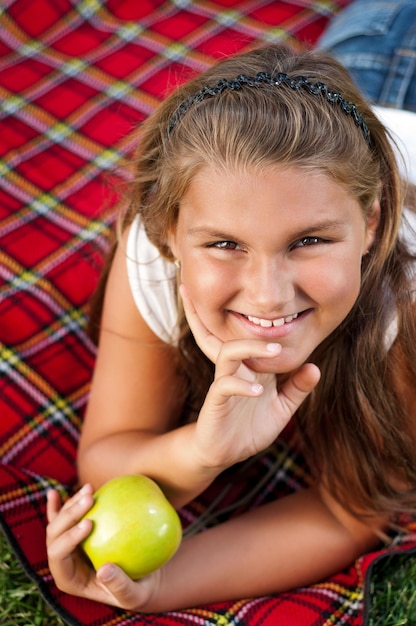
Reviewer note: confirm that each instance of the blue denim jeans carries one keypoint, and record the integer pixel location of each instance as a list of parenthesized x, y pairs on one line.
[(376, 41)]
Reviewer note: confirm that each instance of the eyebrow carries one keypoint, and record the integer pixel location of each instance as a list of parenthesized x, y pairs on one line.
[(209, 231), (323, 226)]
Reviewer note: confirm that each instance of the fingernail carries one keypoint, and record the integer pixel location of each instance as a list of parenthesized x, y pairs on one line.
[(256, 388), (82, 524), (83, 501), (273, 347), (107, 573)]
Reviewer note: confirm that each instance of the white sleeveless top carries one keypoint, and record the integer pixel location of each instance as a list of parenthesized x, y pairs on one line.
[(153, 279), (153, 284)]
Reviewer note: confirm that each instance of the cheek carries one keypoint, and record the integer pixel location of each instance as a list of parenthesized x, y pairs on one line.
[(211, 289), (340, 286), (205, 283), (196, 278)]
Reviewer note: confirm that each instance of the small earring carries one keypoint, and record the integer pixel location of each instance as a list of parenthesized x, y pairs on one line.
[(177, 264)]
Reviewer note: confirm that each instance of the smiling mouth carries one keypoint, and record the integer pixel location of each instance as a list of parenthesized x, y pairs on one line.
[(280, 321)]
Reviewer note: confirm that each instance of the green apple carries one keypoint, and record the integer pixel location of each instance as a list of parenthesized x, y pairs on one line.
[(134, 526)]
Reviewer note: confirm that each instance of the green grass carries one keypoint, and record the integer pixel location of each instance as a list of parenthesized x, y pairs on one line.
[(20, 601), (392, 592)]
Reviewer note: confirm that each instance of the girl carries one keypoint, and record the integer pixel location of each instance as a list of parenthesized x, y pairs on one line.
[(267, 199)]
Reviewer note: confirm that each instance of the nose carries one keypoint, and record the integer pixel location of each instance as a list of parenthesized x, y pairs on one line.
[(270, 285)]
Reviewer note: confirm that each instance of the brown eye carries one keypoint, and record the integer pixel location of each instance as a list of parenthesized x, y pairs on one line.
[(225, 245), (308, 241)]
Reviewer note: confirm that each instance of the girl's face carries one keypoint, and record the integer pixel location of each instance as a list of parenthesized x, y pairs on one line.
[(274, 255)]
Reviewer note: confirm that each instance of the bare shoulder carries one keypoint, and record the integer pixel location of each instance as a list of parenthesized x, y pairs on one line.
[(136, 383)]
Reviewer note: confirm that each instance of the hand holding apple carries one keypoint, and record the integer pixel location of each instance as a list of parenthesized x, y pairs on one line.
[(134, 526)]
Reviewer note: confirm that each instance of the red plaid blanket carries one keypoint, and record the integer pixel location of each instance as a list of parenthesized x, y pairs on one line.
[(75, 77)]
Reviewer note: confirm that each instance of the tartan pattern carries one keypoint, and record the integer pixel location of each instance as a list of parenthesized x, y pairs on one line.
[(75, 78)]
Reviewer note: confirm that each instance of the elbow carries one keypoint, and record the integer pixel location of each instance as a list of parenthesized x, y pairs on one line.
[(91, 466), (365, 532), (83, 470)]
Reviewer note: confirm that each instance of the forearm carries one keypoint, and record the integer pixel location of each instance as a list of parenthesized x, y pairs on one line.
[(168, 458), (293, 542)]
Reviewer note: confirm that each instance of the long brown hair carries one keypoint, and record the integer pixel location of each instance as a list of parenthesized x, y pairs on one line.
[(354, 427)]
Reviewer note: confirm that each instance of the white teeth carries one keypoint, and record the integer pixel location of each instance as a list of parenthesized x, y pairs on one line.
[(268, 323)]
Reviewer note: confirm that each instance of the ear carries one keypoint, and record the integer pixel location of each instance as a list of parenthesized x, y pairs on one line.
[(372, 222)]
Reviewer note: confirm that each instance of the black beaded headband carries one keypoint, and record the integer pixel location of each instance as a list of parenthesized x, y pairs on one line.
[(295, 82)]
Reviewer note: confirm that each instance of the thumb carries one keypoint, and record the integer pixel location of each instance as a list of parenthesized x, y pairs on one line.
[(294, 391), (125, 591)]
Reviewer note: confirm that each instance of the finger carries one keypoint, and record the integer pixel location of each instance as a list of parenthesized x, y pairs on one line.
[(234, 352), (70, 513), (53, 504), (60, 547), (227, 386), (209, 344), (125, 591), (76, 497), (294, 391)]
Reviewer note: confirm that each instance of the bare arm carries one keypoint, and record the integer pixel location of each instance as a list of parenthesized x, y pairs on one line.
[(292, 542), (289, 543), (295, 541), (137, 396), (136, 401)]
